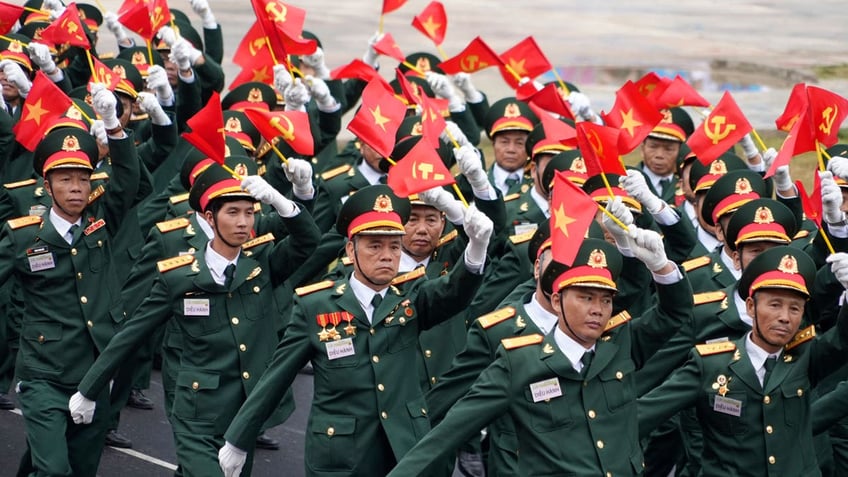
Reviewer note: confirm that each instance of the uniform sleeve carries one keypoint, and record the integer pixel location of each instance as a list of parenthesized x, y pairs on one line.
[(828, 350), (439, 299), (830, 408), (678, 392), (288, 254), (143, 272), (120, 195), (651, 330)]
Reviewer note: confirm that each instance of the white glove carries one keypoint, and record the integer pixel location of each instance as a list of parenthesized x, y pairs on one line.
[(231, 459), (831, 195), (3, 104), (55, 7), (321, 93), (526, 79), (463, 82), (371, 56), (167, 35), (455, 132), (201, 8), (114, 26), (183, 54), (838, 166), (782, 179), (581, 106), (297, 95), (444, 201), (150, 105), (621, 236), (442, 87), (82, 408), (468, 159), (40, 55), (299, 173), (478, 227), (282, 78), (265, 193), (98, 130), (647, 246), (769, 156), (157, 81), (15, 75), (317, 63), (636, 186), (104, 101), (749, 147)]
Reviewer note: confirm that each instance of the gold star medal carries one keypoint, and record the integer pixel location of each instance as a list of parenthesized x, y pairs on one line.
[(350, 329), (323, 320), (335, 319)]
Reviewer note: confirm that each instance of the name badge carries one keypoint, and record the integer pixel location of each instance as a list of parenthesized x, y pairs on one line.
[(38, 210), (43, 261), (196, 307), (546, 389), (522, 228), (726, 405), (339, 349), (718, 340)]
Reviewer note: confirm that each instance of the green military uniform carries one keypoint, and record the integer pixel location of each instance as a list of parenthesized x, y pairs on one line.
[(676, 126)]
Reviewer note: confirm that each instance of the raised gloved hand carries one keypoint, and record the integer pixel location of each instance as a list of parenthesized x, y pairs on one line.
[(371, 56), (167, 35), (40, 55), (297, 95), (769, 156), (831, 195), (647, 246), (82, 408), (453, 131), (442, 87), (463, 82), (321, 93), (55, 8), (782, 178), (317, 63), (749, 147), (581, 106), (201, 8), (183, 54), (282, 78), (838, 166), (478, 227), (444, 201), (231, 459), (110, 19), (157, 81), (150, 105), (621, 236), (265, 193), (15, 75), (104, 104), (299, 173), (468, 159), (98, 131), (635, 185)]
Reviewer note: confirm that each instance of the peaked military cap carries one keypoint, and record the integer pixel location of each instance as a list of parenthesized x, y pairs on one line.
[(139, 56), (676, 126), (90, 15), (597, 265), (373, 210), (215, 183), (509, 114), (65, 148), (538, 144), (761, 220), (569, 163), (597, 190), (540, 241), (252, 94), (702, 177), (730, 192), (131, 78), (422, 61), (239, 126), (782, 267)]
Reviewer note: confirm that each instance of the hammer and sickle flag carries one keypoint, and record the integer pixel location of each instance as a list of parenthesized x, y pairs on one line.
[(421, 169), (293, 126), (44, 104), (599, 145), (795, 107), (283, 26), (67, 29), (473, 58), (144, 17), (725, 126), (827, 112), (572, 212)]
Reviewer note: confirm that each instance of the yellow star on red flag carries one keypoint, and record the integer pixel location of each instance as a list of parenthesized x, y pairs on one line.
[(34, 112)]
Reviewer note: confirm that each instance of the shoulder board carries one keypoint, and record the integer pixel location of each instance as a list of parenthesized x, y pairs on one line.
[(409, 276), (139, 117), (267, 147), (521, 341), (448, 237), (100, 176), (96, 193), (521, 238), (24, 221), (801, 234), (174, 263), (491, 319), (306, 290), (176, 199), (708, 297), (715, 348), (337, 171), (346, 261), (699, 262), (269, 237), (617, 320), (173, 224), (511, 197), (801, 337), (15, 185)]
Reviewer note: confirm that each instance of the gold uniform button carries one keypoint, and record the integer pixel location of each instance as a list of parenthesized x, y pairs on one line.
[(234, 321), (423, 412), (371, 331), (384, 415), (432, 380), (772, 460), (767, 400), (375, 358), (609, 474), (428, 353), (195, 385), (402, 320), (619, 375), (83, 300), (600, 444), (380, 387), (769, 429), (79, 275), (242, 347), (591, 414), (41, 338), (89, 323), (800, 392), (73, 251), (99, 243), (330, 431), (256, 289), (245, 375)]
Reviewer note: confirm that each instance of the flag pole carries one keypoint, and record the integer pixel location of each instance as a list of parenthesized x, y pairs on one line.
[(456, 187), (559, 79), (279, 153), (149, 51), (442, 52), (512, 72), (100, 5), (413, 68), (611, 195), (91, 65), (820, 156), (4, 37)]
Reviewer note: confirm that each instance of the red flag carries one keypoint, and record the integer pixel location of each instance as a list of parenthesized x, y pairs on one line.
[(253, 48), (388, 46), (160, 14), (827, 112), (475, 57), (9, 14), (548, 98), (45, 103), (432, 120), (432, 22), (293, 126), (357, 69), (421, 169), (379, 117), (725, 126), (795, 107), (104, 74), (680, 93), (633, 115), (282, 24), (599, 145), (572, 212), (812, 204), (556, 130), (652, 85), (801, 139), (144, 18), (67, 29), (391, 5), (260, 73), (523, 59), (207, 130)]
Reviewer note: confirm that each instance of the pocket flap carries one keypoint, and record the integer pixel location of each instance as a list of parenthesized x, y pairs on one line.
[(198, 380), (42, 332), (617, 371), (334, 425), (417, 408)]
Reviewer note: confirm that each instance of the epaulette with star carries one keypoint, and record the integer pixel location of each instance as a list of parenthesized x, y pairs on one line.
[(448, 237), (96, 193), (715, 348), (521, 341), (409, 276), (174, 263), (99, 176), (25, 221), (269, 237), (314, 287), (801, 337), (334, 172), (511, 197), (696, 263), (173, 224), (708, 297), (617, 321), (491, 319), (176, 199), (801, 234), (19, 184)]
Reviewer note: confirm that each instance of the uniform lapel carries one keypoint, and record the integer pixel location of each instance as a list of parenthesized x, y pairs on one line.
[(193, 234), (49, 234), (730, 315), (203, 280), (742, 367), (346, 300), (244, 267), (555, 359), (781, 369), (605, 351)]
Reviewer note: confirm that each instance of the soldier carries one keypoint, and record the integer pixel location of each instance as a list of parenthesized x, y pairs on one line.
[(361, 336), (661, 151), (508, 123)]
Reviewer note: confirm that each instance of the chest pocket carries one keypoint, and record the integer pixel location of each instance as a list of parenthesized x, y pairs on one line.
[(256, 297), (548, 415), (197, 323), (795, 394), (727, 424), (402, 329), (617, 381), (96, 248)]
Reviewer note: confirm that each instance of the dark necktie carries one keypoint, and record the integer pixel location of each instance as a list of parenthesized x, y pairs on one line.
[(72, 232), (511, 181), (229, 273), (586, 360), (768, 365), (376, 300), (383, 178), (664, 185)]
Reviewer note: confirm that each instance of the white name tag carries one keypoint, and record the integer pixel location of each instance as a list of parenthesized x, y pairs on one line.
[(196, 307), (38, 210), (522, 228), (546, 389), (339, 349), (43, 261), (726, 405), (718, 340)]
